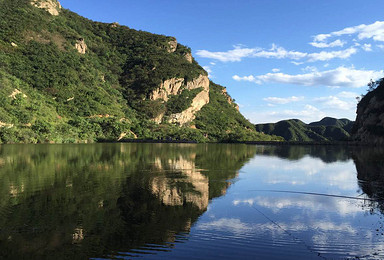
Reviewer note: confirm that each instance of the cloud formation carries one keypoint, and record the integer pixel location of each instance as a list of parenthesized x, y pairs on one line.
[(337, 43), (373, 31), (276, 52), (339, 77), (282, 101), (333, 102)]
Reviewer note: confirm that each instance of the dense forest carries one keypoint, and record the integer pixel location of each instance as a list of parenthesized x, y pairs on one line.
[(64, 78)]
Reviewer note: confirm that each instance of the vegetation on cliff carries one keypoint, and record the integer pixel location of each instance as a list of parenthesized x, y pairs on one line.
[(369, 125), (327, 129), (64, 78)]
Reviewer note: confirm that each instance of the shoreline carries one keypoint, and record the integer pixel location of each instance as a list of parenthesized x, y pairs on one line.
[(274, 143)]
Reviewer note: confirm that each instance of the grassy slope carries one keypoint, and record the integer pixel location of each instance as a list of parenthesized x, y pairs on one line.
[(70, 97)]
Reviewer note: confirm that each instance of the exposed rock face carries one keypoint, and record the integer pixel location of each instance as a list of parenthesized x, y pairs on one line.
[(172, 46), (369, 125), (80, 46), (15, 93), (167, 88), (51, 6), (174, 87), (188, 57), (2, 124)]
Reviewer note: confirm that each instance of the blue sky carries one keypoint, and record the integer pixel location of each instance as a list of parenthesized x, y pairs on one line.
[(279, 59)]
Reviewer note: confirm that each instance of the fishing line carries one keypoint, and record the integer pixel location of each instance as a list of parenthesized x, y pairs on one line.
[(288, 233), (317, 194)]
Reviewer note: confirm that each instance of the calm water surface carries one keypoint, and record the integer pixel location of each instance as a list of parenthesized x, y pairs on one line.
[(188, 201)]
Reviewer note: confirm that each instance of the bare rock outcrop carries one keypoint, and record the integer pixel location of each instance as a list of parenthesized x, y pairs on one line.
[(174, 87), (167, 88), (80, 46), (2, 124), (16, 92), (188, 57), (51, 6), (172, 46)]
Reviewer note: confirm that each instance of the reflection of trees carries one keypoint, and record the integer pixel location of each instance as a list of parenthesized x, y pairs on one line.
[(370, 174), (326, 153), (77, 201)]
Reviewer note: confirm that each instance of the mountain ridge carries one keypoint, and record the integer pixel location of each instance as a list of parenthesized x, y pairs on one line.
[(325, 130)]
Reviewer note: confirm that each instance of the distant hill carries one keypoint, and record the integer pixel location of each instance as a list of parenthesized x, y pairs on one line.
[(327, 129)]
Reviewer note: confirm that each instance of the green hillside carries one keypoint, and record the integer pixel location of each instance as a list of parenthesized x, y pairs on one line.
[(327, 129), (64, 78)]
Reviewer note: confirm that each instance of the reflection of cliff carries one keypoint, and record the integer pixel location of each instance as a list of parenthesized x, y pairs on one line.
[(170, 189), (81, 201), (370, 174)]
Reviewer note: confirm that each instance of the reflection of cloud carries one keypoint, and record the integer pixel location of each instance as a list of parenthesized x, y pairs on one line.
[(306, 170), (313, 203), (232, 225), (236, 226)]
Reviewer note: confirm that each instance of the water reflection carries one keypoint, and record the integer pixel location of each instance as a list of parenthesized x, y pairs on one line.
[(317, 202), (184, 200), (80, 201)]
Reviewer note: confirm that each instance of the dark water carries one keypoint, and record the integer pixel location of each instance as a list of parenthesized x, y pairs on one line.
[(187, 201)]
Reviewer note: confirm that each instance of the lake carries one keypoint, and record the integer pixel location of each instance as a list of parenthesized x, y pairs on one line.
[(191, 201)]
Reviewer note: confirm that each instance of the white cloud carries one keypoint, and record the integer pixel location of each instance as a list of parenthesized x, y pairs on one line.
[(347, 94), (329, 55), (337, 43), (381, 46), (307, 113), (333, 102), (340, 77), (309, 68), (367, 47), (279, 53), (373, 31), (281, 101), (250, 78), (239, 52), (275, 70)]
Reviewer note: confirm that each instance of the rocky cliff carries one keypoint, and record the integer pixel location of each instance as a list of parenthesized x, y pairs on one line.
[(175, 86), (51, 6), (369, 125)]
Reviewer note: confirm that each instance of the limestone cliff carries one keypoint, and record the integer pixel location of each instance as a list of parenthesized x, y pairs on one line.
[(51, 6), (369, 125), (174, 87)]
